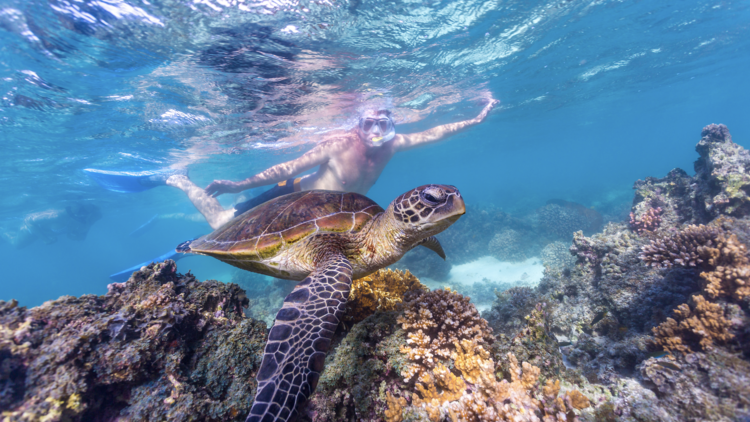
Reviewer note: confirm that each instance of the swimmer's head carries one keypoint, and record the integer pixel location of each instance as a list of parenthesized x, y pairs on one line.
[(376, 127)]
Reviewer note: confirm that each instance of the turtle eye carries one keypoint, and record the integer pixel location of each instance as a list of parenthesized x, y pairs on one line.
[(433, 196)]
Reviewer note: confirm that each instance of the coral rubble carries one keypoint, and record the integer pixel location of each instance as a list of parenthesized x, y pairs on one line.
[(161, 346)]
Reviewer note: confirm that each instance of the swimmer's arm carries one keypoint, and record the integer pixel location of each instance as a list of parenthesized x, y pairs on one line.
[(278, 173), (438, 133)]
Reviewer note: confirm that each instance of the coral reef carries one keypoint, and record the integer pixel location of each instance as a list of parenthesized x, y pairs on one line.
[(702, 386), (674, 195), (673, 278), (508, 245), (365, 364), (161, 346), (444, 396), (648, 222), (722, 173), (688, 248), (560, 219), (435, 322), (557, 254), (380, 291), (709, 247), (702, 324)]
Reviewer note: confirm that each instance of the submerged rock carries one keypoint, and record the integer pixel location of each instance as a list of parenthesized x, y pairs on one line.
[(161, 346), (653, 321)]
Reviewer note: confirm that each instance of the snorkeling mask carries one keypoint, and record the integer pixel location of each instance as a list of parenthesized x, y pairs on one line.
[(385, 126)]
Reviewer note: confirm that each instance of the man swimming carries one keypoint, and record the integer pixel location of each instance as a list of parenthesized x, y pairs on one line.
[(46, 226), (349, 161)]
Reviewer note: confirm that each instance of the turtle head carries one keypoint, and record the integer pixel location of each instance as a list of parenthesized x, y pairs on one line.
[(428, 210)]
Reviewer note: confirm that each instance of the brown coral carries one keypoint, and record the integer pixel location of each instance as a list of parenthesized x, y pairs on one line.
[(380, 291), (161, 346), (704, 325), (687, 248), (435, 321), (647, 222), (490, 399), (445, 331), (721, 254)]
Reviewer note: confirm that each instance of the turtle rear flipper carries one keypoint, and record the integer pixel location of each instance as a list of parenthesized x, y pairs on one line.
[(299, 339)]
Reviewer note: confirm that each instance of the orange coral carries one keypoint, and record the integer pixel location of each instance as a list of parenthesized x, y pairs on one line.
[(435, 322), (445, 331), (380, 291), (731, 277), (394, 408), (704, 324), (468, 358)]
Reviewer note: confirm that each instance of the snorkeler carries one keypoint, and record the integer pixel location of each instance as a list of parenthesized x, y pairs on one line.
[(348, 161), (74, 222)]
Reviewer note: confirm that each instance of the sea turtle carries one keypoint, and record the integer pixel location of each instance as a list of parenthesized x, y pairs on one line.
[(324, 239)]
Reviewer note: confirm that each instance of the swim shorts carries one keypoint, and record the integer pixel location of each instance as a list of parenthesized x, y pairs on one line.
[(283, 188)]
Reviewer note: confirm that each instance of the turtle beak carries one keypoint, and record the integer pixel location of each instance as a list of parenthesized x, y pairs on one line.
[(456, 203)]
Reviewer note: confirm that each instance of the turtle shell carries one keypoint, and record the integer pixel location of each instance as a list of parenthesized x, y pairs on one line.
[(264, 231)]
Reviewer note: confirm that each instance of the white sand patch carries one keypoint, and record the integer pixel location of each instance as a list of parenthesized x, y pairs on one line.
[(488, 269), (529, 272)]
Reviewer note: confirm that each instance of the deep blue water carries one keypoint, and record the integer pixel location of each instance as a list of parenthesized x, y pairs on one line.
[(595, 94)]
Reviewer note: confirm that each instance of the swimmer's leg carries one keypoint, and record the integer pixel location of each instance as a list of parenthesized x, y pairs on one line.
[(132, 181), (19, 239), (215, 214)]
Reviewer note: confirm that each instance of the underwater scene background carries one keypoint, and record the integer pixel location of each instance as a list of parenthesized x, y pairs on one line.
[(571, 251)]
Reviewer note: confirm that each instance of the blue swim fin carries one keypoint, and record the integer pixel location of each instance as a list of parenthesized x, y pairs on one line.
[(124, 275), (131, 181), (145, 226)]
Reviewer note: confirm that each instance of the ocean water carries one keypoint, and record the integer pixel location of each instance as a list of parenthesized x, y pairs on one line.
[(594, 95)]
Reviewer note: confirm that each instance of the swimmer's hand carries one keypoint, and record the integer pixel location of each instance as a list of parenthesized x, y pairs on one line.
[(218, 187), (491, 103)]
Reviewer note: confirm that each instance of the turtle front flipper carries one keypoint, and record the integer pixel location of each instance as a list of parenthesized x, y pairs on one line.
[(433, 244), (299, 339)]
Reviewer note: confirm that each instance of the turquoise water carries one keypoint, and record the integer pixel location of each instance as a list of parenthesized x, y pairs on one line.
[(595, 94)]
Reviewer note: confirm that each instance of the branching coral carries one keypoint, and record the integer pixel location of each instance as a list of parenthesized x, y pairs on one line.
[(702, 325), (688, 247), (435, 321), (708, 247), (647, 222), (380, 291)]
